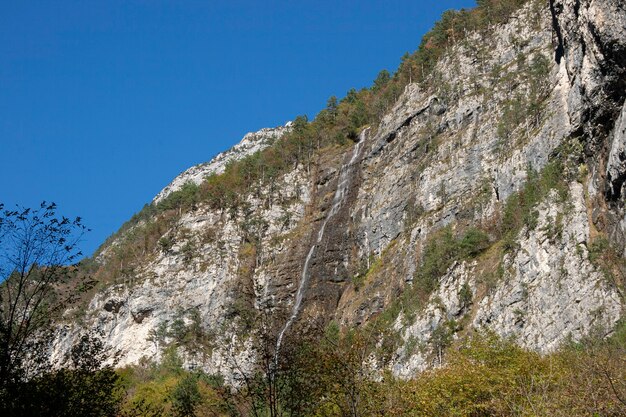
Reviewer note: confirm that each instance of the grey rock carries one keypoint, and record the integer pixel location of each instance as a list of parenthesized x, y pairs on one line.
[(439, 157)]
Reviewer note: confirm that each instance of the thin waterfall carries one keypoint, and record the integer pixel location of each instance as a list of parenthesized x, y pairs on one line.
[(343, 184)]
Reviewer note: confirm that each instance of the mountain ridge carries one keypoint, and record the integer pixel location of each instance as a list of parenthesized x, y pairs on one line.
[(251, 143)]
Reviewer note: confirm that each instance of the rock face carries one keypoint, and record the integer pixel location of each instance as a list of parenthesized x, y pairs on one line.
[(551, 288), (549, 84)]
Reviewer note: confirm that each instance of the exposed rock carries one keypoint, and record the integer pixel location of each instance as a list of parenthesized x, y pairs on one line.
[(442, 155), (550, 289), (141, 314), (251, 143)]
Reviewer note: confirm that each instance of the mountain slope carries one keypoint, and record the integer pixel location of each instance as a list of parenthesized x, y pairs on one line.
[(480, 186), (250, 144)]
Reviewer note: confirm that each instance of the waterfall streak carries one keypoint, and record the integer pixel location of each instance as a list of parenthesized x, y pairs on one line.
[(343, 184)]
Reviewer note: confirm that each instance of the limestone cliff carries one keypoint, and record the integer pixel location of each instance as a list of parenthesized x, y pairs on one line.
[(535, 106)]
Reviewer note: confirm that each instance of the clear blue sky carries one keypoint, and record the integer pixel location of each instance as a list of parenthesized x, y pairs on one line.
[(102, 103)]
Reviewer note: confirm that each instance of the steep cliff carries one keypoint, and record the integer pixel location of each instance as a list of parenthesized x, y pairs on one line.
[(490, 193)]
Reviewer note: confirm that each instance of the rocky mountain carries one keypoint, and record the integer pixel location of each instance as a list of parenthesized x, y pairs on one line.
[(486, 193), (251, 143)]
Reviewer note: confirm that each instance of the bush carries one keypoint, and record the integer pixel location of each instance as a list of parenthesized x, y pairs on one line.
[(490, 376), (473, 242), (465, 295), (520, 208), (186, 396), (441, 250), (186, 198), (166, 389)]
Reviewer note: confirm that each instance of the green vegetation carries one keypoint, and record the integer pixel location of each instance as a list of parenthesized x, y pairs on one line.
[(327, 376), (610, 262), (369, 266), (488, 376), (84, 387), (166, 389), (520, 208), (526, 106), (465, 295), (441, 250), (185, 331), (452, 28)]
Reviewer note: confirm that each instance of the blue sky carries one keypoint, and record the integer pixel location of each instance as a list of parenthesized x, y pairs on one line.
[(102, 103)]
